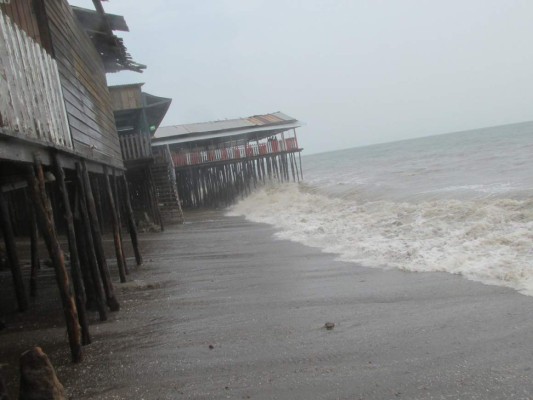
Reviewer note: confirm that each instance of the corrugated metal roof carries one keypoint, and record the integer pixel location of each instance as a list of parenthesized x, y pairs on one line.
[(202, 128)]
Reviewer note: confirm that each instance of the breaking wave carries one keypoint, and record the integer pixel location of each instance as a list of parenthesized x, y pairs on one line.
[(487, 240)]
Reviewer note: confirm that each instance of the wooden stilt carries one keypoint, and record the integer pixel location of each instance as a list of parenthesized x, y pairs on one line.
[(75, 268), (95, 186), (86, 238), (34, 250), (116, 234), (12, 255), (88, 284), (43, 211), (119, 216), (112, 301), (301, 169), (131, 222), (153, 199)]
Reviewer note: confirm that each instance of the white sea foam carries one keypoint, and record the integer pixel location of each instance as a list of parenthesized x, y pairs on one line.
[(488, 240)]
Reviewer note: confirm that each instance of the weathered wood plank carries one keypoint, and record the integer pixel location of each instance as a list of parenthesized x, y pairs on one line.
[(31, 104), (83, 81)]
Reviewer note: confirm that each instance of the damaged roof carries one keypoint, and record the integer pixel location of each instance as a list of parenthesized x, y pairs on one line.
[(100, 26), (257, 126)]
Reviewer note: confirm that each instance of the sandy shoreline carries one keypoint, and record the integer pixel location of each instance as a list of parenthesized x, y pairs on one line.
[(262, 303)]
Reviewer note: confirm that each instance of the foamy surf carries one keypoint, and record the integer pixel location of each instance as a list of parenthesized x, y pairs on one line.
[(487, 240)]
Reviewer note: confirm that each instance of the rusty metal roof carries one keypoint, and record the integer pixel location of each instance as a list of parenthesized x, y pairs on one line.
[(229, 126)]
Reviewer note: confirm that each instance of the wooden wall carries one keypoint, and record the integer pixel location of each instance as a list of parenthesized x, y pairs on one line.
[(31, 99), (84, 84), (126, 97), (81, 73), (23, 14)]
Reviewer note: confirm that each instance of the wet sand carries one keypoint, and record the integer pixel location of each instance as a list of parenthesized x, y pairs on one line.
[(261, 305)]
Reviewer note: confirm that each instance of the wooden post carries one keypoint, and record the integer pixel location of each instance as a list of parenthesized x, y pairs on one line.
[(116, 192), (112, 301), (301, 169), (153, 199), (74, 257), (87, 238), (88, 284), (116, 234), (43, 211), (95, 186), (34, 250), (131, 222), (12, 255)]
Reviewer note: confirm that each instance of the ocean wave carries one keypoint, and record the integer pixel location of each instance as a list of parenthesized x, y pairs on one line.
[(487, 240)]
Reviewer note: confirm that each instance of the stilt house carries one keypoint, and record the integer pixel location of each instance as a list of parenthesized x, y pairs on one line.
[(215, 162), (150, 174), (61, 166)]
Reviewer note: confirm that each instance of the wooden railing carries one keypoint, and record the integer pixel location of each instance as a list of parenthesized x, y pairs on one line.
[(135, 146), (31, 100), (234, 153)]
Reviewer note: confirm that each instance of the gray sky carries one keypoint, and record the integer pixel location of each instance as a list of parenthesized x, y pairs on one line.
[(355, 72)]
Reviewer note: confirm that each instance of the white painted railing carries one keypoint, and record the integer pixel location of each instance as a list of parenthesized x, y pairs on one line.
[(249, 150), (31, 100)]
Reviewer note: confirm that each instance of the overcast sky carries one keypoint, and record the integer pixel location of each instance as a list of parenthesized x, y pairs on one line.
[(356, 72)]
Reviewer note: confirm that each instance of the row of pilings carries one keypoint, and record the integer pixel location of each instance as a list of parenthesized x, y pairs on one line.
[(50, 201), (220, 184)]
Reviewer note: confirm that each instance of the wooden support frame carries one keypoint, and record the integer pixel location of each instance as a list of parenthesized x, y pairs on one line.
[(87, 237), (43, 211), (75, 268), (121, 262), (112, 301), (12, 255), (131, 222), (118, 207), (34, 248)]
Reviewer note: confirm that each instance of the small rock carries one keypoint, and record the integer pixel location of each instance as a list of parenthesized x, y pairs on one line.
[(211, 347), (329, 325)]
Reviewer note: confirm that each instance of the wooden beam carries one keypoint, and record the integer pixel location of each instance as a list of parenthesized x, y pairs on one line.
[(43, 211), (112, 301), (34, 250), (12, 255), (75, 268), (131, 222), (121, 262), (84, 225)]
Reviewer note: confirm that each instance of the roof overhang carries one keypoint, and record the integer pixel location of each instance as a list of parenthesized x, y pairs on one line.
[(238, 135)]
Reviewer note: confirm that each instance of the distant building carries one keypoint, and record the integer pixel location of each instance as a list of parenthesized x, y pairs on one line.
[(218, 161)]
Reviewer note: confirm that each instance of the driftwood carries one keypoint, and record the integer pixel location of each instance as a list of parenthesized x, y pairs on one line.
[(38, 380)]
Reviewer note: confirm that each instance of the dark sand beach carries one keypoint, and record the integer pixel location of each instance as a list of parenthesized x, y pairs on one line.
[(221, 309)]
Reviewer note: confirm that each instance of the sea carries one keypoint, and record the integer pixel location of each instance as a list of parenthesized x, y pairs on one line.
[(460, 203)]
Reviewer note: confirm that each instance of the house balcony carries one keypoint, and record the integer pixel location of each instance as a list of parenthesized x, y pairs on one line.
[(250, 151), (135, 147)]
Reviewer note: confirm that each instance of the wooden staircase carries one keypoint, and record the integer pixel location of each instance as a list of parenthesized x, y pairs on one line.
[(164, 178)]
